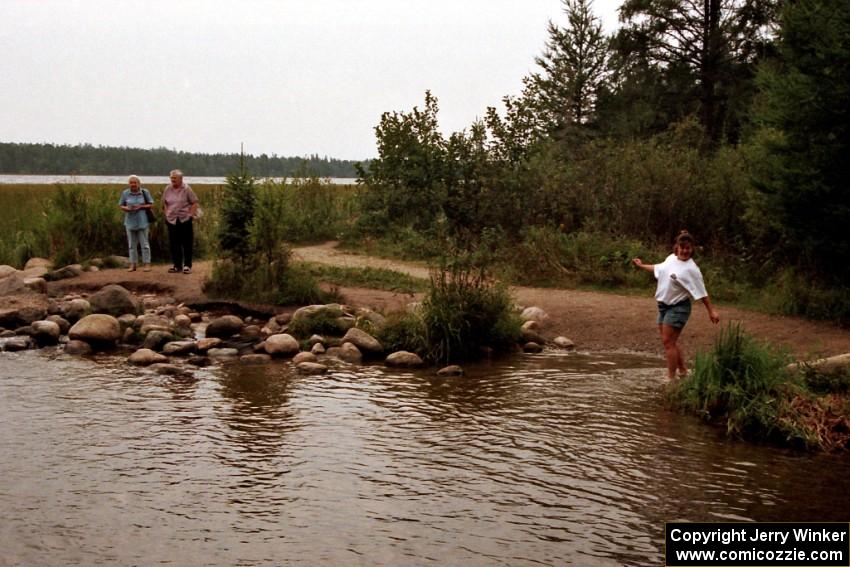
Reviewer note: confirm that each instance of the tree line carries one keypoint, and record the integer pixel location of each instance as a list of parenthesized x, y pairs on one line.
[(725, 117), (86, 159)]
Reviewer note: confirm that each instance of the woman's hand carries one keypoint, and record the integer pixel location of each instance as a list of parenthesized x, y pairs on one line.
[(714, 316)]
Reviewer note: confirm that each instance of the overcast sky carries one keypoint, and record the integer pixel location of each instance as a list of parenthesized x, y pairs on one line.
[(291, 77)]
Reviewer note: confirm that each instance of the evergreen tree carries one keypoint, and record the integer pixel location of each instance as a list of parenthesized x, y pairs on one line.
[(805, 137), (573, 64), (237, 213), (705, 53)]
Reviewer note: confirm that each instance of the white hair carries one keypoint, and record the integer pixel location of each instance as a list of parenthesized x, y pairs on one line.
[(132, 177), (176, 172)]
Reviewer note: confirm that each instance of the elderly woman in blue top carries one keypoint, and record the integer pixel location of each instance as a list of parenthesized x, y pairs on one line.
[(134, 200), (679, 283)]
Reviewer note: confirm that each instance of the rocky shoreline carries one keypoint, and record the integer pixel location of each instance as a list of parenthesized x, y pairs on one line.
[(172, 337)]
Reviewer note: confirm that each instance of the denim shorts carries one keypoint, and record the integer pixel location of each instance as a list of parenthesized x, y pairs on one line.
[(675, 315)]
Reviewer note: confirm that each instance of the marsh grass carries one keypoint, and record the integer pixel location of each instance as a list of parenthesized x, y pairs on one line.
[(747, 386), (74, 223)]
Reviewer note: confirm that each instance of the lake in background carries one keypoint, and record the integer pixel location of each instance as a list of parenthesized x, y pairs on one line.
[(146, 180)]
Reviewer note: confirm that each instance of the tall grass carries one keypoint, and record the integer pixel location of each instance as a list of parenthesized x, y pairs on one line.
[(747, 386), (463, 313)]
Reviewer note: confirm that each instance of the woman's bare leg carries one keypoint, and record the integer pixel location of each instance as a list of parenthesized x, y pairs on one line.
[(669, 336)]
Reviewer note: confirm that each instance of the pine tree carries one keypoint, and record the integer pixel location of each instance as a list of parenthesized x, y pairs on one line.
[(237, 213), (805, 136)]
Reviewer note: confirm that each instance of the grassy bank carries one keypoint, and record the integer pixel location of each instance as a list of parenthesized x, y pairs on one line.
[(73, 223), (748, 387)]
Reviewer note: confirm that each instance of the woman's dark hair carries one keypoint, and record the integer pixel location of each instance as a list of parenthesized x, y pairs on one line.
[(684, 237)]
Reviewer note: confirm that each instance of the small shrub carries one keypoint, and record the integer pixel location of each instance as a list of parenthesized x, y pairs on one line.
[(404, 331)]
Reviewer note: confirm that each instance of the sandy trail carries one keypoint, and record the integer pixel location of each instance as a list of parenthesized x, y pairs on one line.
[(594, 320)]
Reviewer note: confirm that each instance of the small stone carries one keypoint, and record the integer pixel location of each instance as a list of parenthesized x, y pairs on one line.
[(176, 348), (222, 352), (534, 314), (404, 359), (198, 361), (564, 343), (46, 332), (182, 321), (282, 345), (224, 327), (100, 328), (315, 339), (363, 341), (146, 357), (18, 343), (78, 347), (532, 347), (318, 348), (304, 357), (203, 345), (255, 359), (155, 340), (451, 370), (311, 368), (167, 369)]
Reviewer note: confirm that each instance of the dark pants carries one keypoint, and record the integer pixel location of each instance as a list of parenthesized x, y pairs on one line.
[(180, 236)]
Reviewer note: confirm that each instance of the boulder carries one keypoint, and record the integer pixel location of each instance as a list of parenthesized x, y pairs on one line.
[(330, 311), (198, 361), (363, 341), (255, 359), (76, 309), (529, 333), (167, 369), (6, 333), (304, 357), (532, 347), (155, 340), (315, 339), (71, 271), (222, 352), (23, 310), (176, 348), (77, 347), (311, 368), (38, 263), (6, 271), (146, 357), (46, 332), (127, 320), (564, 343), (114, 300), (182, 321), (404, 359), (18, 343), (451, 370), (37, 272), (99, 329), (131, 336), (318, 348), (370, 319), (12, 284), (203, 345), (150, 322), (347, 352), (282, 345), (64, 325), (272, 327), (224, 327), (533, 314), (25, 330)]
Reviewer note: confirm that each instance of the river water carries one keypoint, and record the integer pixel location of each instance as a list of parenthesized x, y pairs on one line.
[(549, 459)]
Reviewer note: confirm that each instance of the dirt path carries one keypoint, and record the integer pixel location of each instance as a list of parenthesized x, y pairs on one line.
[(594, 320)]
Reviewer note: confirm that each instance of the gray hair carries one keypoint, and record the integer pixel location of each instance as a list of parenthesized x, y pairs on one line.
[(132, 177), (176, 172)]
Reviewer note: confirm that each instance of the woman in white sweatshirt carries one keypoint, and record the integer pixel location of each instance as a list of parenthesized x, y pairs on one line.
[(679, 283)]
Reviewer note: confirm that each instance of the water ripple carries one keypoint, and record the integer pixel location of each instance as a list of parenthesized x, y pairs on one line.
[(548, 459)]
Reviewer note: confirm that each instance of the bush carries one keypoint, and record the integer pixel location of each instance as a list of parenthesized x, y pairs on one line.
[(257, 279)]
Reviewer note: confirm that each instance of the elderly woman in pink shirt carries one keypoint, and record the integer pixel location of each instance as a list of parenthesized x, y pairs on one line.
[(181, 206)]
